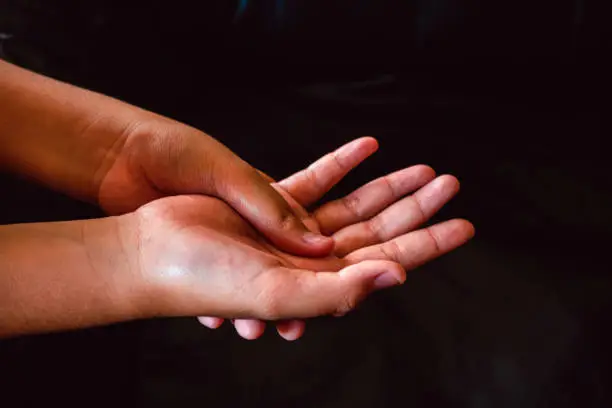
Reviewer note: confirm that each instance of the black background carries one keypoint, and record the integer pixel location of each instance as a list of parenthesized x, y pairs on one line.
[(513, 97)]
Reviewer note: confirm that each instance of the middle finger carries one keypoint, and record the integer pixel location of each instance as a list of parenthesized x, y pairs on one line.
[(370, 199), (400, 218)]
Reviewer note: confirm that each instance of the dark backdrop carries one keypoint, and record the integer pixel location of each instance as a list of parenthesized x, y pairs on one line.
[(511, 96)]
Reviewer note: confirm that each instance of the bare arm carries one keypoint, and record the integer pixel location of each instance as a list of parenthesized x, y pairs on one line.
[(98, 149), (64, 275), (43, 135)]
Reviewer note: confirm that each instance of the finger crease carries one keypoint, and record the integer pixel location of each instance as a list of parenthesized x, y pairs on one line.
[(419, 207), (314, 180), (389, 184), (433, 238), (376, 228), (351, 203), (337, 160), (392, 251), (286, 222)]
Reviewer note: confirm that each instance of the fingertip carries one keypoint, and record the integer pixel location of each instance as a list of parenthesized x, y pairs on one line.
[(370, 270), (291, 330), (302, 243), (424, 170), (467, 226), (353, 153), (462, 225), (292, 236), (318, 241), (452, 234), (398, 271), (249, 329), (394, 275), (449, 180), (370, 141), (210, 322), (305, 243)]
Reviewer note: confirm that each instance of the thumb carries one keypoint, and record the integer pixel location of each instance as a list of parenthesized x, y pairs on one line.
[(251, 195), (315, 294)]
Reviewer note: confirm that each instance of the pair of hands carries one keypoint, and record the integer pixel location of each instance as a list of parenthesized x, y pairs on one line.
[(208, 233), (243, 256)]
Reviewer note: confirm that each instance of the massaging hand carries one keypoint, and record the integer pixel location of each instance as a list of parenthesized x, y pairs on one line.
[(376, 222), (119, 156), (162, 158)]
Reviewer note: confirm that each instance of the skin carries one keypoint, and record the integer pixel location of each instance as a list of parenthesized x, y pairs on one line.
[(102, 150), (105, 151), (196, 256), (385, 211)]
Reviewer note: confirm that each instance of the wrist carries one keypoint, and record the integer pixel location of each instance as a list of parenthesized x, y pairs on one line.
[(145, 291), (114, 247), (68, 275), (57, 134)]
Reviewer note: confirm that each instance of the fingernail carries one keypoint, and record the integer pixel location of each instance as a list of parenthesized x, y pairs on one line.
[(386, 280), (209, 322), (312, 238)]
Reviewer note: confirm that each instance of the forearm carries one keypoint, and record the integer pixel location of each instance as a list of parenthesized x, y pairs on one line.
[(65, 275), (58, 134)]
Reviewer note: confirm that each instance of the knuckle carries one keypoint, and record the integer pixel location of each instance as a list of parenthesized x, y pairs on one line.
[(376, 228), (338, 162), (419, 208), (286, 221), (313, 178), (352, 203), (392, 251), (310, 174), (390, 186), (434, 241)]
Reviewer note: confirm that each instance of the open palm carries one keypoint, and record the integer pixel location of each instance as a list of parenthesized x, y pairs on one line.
[(375, 222)]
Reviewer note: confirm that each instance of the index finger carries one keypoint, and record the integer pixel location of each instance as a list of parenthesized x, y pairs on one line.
[(309, 185)]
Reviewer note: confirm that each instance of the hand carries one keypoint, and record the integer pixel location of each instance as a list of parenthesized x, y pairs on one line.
[(97, 148), (252, 278), (157, 157), (354, 226)]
